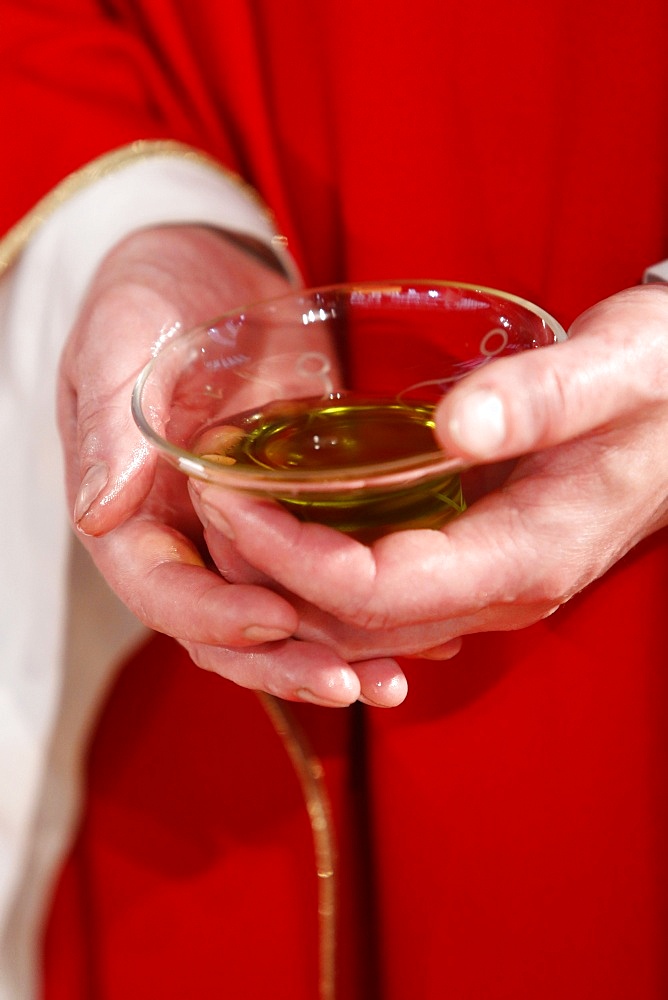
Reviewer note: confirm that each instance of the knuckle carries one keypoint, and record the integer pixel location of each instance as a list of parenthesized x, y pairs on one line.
[(560, 580), (549, 398), (371, 616)]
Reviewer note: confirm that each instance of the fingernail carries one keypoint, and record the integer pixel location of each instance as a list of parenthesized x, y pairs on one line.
[(367, 697), (92, 484), (385, 693), (264, 633), (479, 425)]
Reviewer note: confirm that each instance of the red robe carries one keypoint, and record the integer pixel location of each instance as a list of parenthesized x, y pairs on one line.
[(503, 834)]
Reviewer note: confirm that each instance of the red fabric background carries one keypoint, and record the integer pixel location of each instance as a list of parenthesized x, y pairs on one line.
[(517, 800)]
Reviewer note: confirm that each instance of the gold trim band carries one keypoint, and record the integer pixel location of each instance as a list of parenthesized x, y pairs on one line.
[(310, 773)]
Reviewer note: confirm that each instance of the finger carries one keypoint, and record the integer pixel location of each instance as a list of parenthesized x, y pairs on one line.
[(383, 683), (293, 670), (161, 577), (446, 651), (356, 644), (609, 367), (224, 554), (110, 466), (489, 558)]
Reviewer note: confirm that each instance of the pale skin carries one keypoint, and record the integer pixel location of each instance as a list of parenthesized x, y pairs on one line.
[(306, 613)]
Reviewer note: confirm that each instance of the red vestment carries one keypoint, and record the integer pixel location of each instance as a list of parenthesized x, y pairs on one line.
[(503, 834)]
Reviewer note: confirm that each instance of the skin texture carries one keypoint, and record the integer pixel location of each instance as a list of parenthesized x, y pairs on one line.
[(572, 441), (134, 514)]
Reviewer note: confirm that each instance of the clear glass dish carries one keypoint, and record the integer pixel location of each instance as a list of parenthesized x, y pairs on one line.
[(323, 398)]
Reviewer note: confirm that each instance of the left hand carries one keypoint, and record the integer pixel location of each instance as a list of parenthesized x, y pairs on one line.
[(133, 512), (586, 421)]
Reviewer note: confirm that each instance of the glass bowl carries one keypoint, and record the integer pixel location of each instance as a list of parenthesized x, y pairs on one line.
[(323, 399)]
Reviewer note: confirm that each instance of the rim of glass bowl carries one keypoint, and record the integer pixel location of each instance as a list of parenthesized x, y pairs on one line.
[(258, 479)]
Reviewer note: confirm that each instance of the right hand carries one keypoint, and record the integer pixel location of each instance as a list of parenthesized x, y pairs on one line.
[(578, 431), (133, 512)]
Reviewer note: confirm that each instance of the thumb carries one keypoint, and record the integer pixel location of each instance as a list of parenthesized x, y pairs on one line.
[(613, 363), (110, 468), (112, 485)]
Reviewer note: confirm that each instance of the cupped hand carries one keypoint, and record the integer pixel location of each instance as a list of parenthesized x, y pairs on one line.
[(586, 421), (133, 512)]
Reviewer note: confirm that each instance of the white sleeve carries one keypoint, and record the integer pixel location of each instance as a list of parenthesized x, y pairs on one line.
[(61, 630), (656, 274)]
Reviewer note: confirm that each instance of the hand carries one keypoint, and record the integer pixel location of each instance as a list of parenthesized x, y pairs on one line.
[(352, 642), (588, 419), (133, 512)]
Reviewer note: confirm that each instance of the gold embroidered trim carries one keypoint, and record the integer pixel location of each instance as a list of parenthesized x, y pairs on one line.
[(19, 235), (310, 774)]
